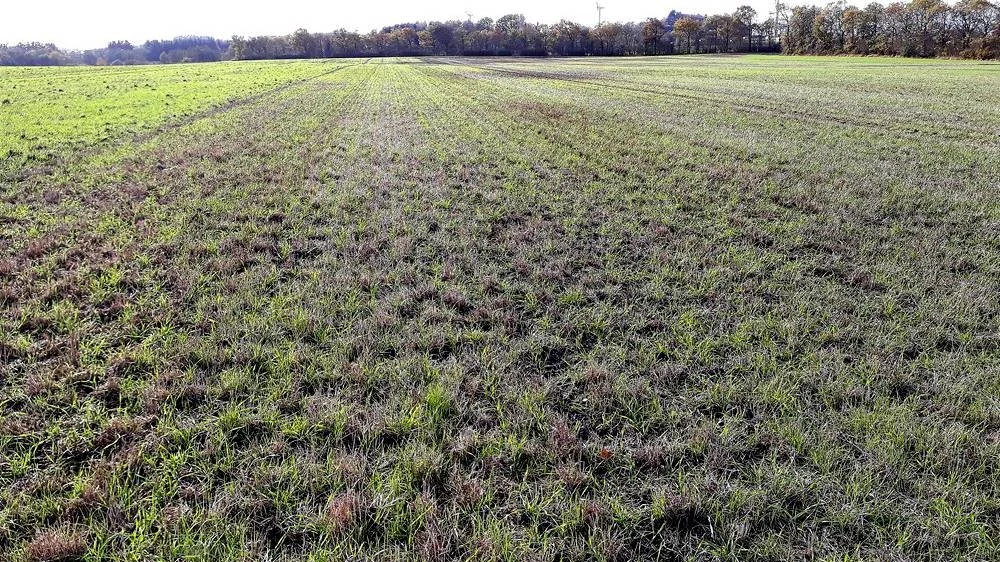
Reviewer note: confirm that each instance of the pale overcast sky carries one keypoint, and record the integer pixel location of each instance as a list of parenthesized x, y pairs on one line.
[(92, 23)]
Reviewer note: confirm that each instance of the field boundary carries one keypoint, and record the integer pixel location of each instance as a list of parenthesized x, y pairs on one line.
[(25, 174)]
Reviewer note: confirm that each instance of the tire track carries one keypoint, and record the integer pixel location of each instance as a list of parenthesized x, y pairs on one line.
[(895, 128)]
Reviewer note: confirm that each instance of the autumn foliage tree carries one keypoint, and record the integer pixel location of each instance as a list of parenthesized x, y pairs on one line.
[(686, 29), (653, 36)]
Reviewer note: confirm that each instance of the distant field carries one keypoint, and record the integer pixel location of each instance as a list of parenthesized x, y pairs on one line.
[(688, 308)]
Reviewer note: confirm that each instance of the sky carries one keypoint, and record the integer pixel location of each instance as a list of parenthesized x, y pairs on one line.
[(76, 24)]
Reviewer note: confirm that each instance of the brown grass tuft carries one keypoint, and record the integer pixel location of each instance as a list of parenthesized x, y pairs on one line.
[(57, 545), (342, 510)]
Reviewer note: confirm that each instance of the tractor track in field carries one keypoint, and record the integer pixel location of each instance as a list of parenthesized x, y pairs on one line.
[(240, 102), (893, 127)]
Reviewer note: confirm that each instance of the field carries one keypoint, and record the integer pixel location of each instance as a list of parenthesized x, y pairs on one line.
[(688, 308)]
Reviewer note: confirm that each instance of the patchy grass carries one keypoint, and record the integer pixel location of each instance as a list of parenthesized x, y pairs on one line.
[(45, 112), (688, 308)]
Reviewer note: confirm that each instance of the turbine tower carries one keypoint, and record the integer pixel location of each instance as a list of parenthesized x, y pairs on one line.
[(778, 8), (600, 9)]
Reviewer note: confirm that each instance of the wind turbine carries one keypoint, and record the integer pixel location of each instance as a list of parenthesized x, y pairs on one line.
[(600, 9)]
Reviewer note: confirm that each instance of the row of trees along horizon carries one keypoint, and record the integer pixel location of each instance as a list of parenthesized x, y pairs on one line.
[(919, 28)]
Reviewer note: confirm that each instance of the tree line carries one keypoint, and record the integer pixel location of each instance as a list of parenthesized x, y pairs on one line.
[(918, 28), (512, 35), (179, 49)]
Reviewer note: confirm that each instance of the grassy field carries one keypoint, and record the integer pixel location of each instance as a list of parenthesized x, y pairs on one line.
[(45, 112), (690, 308)]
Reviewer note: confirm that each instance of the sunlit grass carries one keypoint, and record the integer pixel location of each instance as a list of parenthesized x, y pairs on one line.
[(683, 308)]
